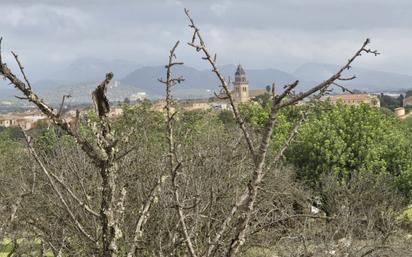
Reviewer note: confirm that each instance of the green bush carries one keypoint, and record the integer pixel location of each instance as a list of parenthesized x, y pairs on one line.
[(349, 139)]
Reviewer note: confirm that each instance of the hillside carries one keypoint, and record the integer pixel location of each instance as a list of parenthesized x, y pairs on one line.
[(81, 77)]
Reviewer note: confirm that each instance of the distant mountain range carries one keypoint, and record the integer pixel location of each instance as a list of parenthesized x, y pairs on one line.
[(200, 82), (86, 70), (82, 76), (366, 80)]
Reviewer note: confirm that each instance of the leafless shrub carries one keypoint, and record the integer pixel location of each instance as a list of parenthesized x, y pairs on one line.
[(115, 192)]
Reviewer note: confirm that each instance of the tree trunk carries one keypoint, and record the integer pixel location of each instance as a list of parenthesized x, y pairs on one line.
[(110, 230)]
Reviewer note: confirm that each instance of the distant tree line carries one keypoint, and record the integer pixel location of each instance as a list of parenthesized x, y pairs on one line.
[(391, 102)]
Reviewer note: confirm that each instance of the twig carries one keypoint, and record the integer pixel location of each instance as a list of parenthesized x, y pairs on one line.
[(55, 189), (212, 61), (173, 167), (16, 57), (93, 152), (344, 89), (1, 59), (247, 199), (144, 215), (62, 104), (332, 79)]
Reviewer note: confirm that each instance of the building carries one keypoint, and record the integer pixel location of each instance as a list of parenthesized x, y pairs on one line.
[(407, 101), (24, 120), (401, 113), (220, 106), (139, 96), (241, 86), (257, 92), (241, 92), (187, 105), (195, 104), (353, 99)]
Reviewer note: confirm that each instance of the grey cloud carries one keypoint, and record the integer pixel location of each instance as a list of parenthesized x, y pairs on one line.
[(279, 34)]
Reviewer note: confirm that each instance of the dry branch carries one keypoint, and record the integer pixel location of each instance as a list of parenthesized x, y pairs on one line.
[(173, 166), (94, 153), (246, 201), (102, 153), (56, 189), (201, 46)]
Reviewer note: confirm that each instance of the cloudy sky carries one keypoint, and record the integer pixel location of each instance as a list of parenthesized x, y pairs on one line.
[(49, 34)]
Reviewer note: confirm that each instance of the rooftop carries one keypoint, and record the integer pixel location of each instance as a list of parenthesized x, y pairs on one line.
[(348, 97), (240, 70)]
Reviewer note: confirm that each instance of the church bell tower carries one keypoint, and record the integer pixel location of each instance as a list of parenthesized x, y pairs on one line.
[(241, 85)]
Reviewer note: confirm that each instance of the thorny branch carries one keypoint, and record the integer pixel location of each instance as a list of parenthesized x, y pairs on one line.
[(246, 201), (95, 154), (337, 76), (55, 189), (144, 215), (16, 57), (173, 166), (258, 172), (62, 104), (102, 153), (201, 46)]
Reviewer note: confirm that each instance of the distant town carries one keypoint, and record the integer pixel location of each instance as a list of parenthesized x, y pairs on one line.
[(28, 117)]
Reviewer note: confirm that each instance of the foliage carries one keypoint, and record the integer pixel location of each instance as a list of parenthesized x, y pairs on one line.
[(14, 133), (408, 122), (227, 118), (256, 114), (387, 111), (349, 139), (137, 116), (209, 145), (390, 102), (10, 150), (264, 99)]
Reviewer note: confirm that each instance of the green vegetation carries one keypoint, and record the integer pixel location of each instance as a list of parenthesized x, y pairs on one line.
[(340, 140), (408, 212), (345, 140), (390, 102), (23, 247), (408, 122), (356, 155)]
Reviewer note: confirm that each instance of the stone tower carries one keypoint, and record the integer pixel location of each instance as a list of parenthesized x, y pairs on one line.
[(241, 85)]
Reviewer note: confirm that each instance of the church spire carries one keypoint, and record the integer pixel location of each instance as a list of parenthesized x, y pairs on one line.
[(241, 85), (240, 71)]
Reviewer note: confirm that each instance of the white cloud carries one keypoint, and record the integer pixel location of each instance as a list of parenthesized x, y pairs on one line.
[(174, 2), (219, 9), (279, 34)]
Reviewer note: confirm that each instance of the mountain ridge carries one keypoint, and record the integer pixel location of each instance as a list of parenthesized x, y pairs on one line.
[(82, 76)]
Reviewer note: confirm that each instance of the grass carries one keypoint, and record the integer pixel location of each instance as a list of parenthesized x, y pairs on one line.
[(6, 246)]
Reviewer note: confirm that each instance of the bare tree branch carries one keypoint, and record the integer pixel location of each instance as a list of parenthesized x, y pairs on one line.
[(62, 104), (100, 101), (16, 57), (202, 47), (246, 200), (56, 190), (325, 84), (173, 168), (144, 215), (95, 154)]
